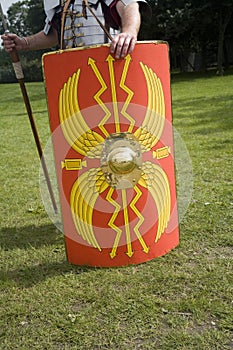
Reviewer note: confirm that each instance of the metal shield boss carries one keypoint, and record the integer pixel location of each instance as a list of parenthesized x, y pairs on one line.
[(111, 126)]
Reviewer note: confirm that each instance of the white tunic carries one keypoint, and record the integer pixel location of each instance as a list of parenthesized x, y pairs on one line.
[(80, 31)]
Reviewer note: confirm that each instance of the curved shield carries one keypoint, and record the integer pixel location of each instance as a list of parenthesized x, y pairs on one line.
[(111, 128)]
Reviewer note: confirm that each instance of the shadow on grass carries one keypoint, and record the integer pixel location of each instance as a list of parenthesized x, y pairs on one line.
[(28, 236), (32, 239), (26, 277), (22, 114)]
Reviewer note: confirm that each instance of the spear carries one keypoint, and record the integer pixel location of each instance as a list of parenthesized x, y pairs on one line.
[(20, 77)]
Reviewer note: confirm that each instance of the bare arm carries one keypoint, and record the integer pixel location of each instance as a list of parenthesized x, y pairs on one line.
[(33, 42), (124, 43), (121, 45)]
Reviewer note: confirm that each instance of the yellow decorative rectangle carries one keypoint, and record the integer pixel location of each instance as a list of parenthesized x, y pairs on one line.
[(72, 164), (161, 152)]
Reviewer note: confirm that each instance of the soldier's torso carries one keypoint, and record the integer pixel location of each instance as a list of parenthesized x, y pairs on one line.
[(81, 27)]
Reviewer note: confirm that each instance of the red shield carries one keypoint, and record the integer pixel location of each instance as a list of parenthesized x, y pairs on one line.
[(111, 128)]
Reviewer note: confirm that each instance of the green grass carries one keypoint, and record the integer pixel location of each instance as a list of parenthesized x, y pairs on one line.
[(182, 300)]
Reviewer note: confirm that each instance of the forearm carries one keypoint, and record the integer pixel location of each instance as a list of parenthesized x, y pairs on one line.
[(41, 41), (130, 18), (124, 42)]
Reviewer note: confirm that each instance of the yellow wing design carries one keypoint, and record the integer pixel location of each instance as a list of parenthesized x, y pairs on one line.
[(152, 127), (155, 179), (76, 131), (84, 194)]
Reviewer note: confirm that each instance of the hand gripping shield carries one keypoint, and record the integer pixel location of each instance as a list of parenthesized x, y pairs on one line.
[(111, 128)]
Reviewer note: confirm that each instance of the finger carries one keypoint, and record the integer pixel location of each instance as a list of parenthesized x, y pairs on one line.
[(113, 46), (131, 46), (8, 36), (120, 45), (8, 45), (128, 46)]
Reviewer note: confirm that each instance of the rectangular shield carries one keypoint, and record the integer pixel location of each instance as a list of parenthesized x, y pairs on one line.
[(111, 127)]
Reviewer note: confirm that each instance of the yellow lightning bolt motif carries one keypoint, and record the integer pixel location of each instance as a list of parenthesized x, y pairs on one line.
[(111, 222), (103, 88), (127, 229), (110, 61), (128, 91), (140, 221)]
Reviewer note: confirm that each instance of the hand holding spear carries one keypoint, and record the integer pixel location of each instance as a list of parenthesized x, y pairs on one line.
[(20, 77)]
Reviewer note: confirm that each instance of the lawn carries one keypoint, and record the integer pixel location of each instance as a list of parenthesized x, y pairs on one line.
[(182, 300)]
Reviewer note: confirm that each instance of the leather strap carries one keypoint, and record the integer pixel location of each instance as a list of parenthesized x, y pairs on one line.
[(63, 18), (97, 19)]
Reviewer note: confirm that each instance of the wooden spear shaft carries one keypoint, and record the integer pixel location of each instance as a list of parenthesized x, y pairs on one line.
[(20, 77)]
